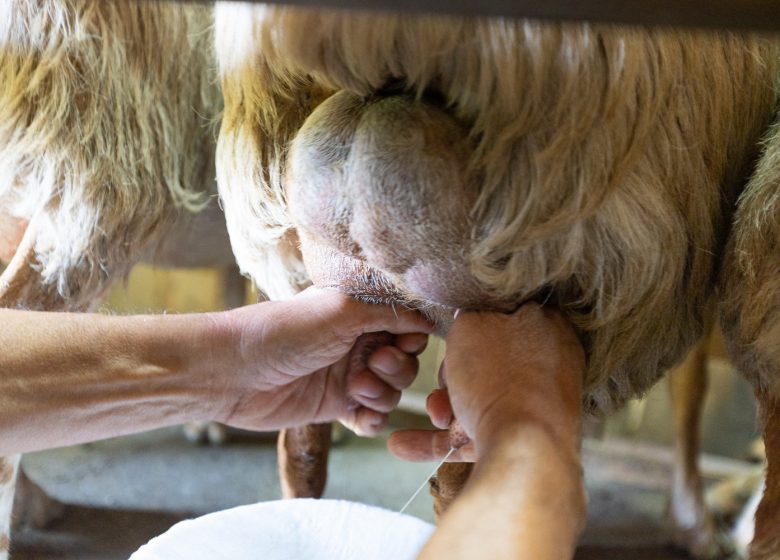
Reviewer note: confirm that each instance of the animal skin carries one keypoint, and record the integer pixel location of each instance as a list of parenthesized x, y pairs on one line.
[(446, 163), (106, 148)]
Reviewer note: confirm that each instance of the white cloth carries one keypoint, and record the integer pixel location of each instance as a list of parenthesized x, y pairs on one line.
[(293, 530)]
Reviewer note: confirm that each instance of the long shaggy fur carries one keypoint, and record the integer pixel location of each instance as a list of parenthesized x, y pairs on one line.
[(751, 290), (603, 161), (99, 102)]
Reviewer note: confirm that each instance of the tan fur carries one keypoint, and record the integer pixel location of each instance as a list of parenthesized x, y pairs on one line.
[(90, 113), (751, 291), (766, 540), (751, 320), (602, 161)]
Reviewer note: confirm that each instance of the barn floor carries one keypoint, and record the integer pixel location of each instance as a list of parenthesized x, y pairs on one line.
[(120, 493)]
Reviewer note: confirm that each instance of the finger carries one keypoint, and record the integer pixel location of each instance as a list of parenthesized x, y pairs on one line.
[(386, 402), (368, 390), (427, 445), (365, 422), (394, 367), (367, 385), (439, 408), (396, 319), (413, 344)]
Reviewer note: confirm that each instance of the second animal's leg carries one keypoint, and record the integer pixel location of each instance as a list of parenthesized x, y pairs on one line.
[(695, 529), (766, 542), (9, 466), (447, 484), (303, 460)]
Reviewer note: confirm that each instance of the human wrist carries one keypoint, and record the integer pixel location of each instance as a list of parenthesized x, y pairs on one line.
[(503, 426), (526, 462), (542, 455), (213, 359)]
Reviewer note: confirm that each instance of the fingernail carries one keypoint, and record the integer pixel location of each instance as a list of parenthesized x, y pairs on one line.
[(388, 361)]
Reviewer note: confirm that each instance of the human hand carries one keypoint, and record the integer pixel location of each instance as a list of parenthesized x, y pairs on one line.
[(319, 357), (501, 371)]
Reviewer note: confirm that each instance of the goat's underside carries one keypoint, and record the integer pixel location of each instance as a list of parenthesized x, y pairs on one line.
[(416, 160), (442, 163)]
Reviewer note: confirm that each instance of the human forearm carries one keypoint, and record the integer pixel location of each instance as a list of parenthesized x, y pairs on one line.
[(66, 379), (514, 383), (70, 378), (525, 500)]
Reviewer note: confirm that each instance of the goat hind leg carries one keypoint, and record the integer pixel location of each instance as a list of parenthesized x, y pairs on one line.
[(303, 460), (694, 526), (766, 542)]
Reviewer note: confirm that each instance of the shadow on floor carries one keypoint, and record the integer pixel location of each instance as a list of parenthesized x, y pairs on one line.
[(622, 553), (86, 533)]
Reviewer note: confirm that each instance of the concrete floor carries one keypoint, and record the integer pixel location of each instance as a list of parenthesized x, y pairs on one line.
[(120, 493)]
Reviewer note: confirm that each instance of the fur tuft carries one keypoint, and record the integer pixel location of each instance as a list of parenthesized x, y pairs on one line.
[(95, 112)]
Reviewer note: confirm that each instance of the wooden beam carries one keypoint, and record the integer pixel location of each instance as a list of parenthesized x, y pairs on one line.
[(734, 14)]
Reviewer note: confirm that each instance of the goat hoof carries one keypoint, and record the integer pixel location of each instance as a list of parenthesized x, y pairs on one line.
[(705, 542), (211, 433)]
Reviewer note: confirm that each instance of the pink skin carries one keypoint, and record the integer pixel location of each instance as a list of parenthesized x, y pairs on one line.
[(11, 233), (432, 290)]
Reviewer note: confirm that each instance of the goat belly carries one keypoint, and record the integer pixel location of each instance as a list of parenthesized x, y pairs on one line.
[(477, 163)]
